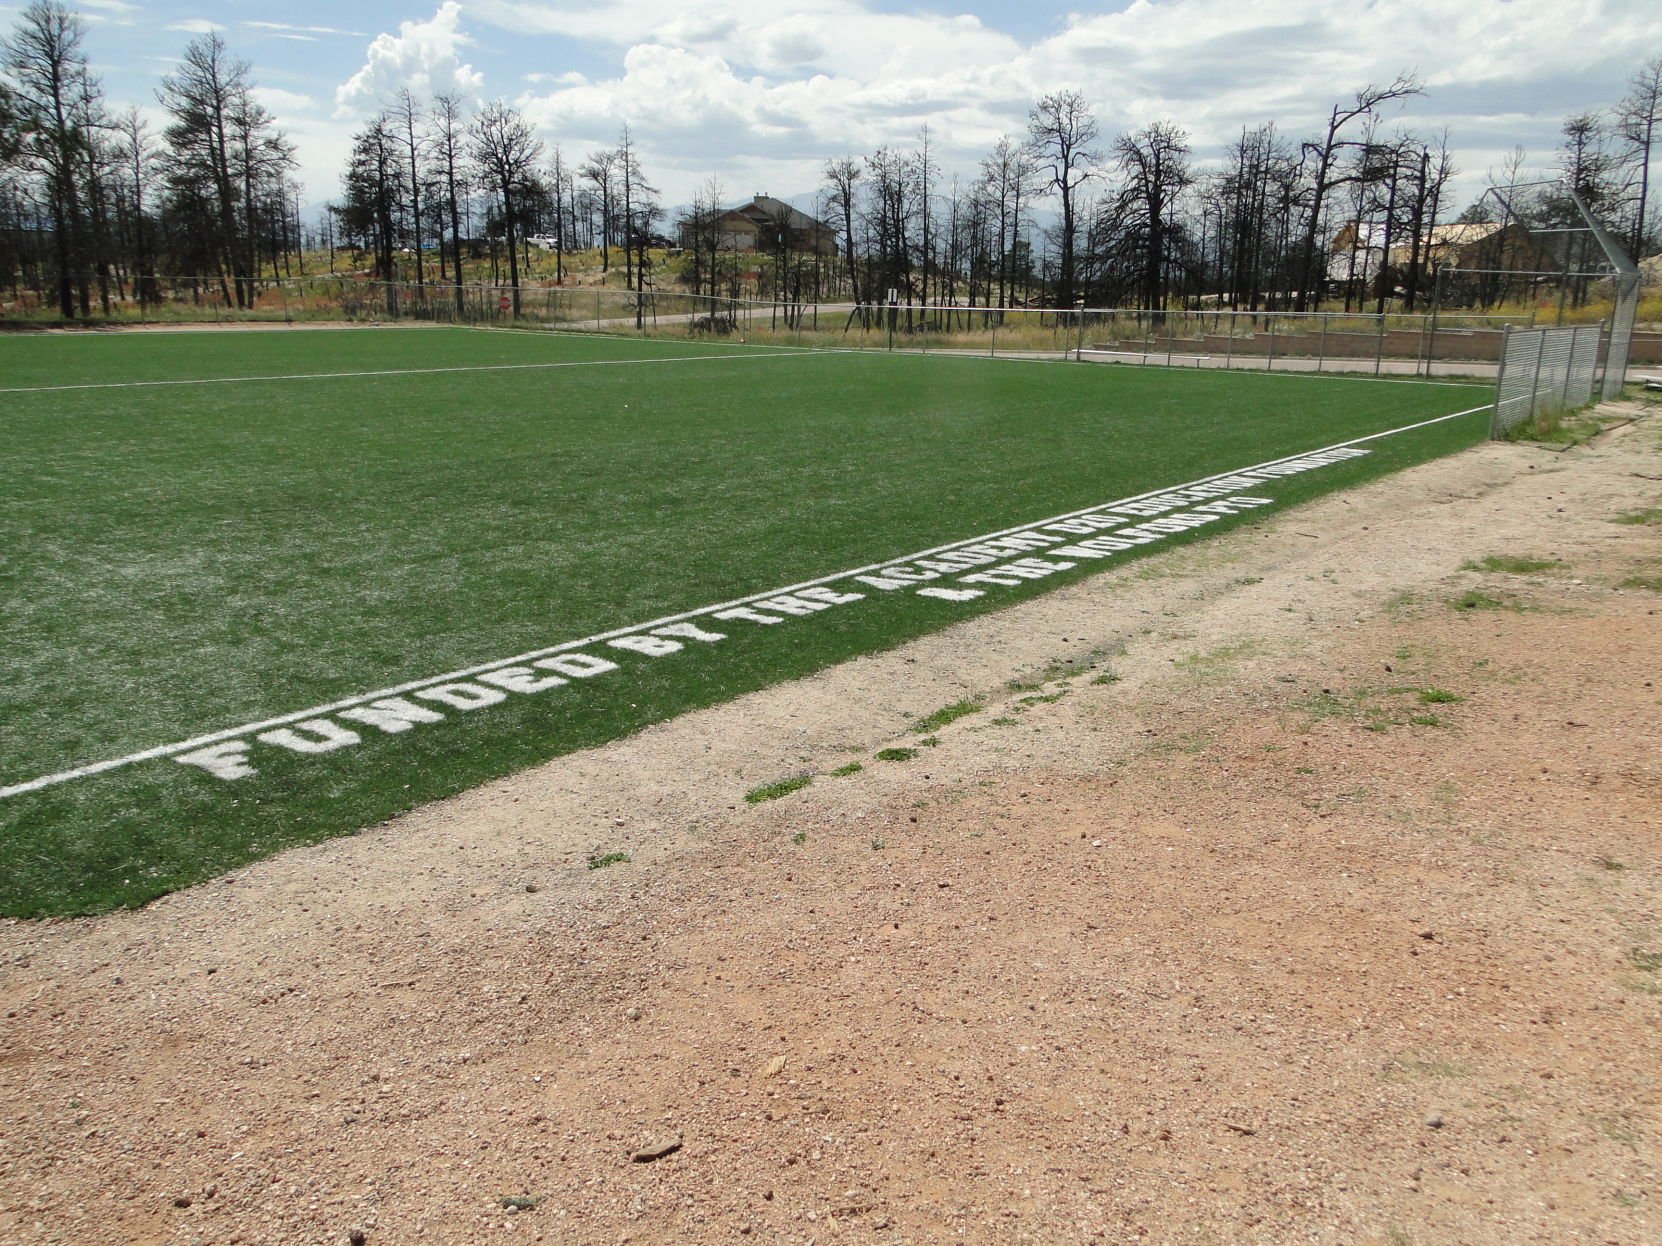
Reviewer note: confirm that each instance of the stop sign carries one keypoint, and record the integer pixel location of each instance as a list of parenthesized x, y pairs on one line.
[(503, 303)]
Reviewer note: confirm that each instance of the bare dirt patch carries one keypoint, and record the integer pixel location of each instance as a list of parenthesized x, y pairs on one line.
[(1298, 884)]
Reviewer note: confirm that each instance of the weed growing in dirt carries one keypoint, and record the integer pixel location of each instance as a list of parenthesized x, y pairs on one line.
[(1476, 599), (1608, 863), (1644, 961), (1003, 720), (931, 723), (877, 845), (1373, 709), (1217, 663), (520, 1202), (600, 861), (930, 741), (1559, 428), (1439, 696), (800, 838), (1038, 699), (1650, 583), (773, 791), (1649, 515), (842, 772), (1411, 1069), (1066, 668), (1106, 678), (1507, 565), (895, 754)]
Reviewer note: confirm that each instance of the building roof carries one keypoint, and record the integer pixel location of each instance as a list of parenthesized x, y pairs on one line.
[(764, 209)]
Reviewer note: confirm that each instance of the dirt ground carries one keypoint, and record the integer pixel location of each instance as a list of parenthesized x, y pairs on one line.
[(1274, 895)]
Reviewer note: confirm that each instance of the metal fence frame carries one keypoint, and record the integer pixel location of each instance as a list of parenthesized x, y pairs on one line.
[(1543, 372)]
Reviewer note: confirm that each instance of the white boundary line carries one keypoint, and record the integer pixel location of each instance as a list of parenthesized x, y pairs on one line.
[(317, 711), (467, 367)]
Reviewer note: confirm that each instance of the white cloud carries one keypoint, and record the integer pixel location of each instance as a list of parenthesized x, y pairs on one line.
[(195, 26), (281, 28), (423, 56), (114, 12), (282, 104), (758, 92)]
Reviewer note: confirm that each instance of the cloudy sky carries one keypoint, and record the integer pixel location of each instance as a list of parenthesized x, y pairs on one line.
[(761, 92)]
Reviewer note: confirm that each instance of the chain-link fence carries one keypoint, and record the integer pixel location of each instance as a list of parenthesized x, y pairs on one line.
[(1543, 373), (1436, 343)]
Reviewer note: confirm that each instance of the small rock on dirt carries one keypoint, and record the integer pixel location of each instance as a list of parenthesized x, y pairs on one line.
[(655, 1149)]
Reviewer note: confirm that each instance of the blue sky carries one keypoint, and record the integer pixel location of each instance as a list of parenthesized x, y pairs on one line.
[(759, 95)]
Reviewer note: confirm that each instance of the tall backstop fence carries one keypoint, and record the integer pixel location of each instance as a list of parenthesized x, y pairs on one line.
[(1544, 372)]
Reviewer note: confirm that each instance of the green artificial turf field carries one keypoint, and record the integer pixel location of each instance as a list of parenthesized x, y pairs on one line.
[(204, 534)]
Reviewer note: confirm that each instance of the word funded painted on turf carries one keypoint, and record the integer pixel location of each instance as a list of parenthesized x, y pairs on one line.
[(961, 572)]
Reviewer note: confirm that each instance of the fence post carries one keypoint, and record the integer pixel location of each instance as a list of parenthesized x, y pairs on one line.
[(1379, 346), (1500, 381), (1229, 350), (1569, 367), (1321, 347), (1535, 379), (1171, 336), (1269, 363), (1601, 360)]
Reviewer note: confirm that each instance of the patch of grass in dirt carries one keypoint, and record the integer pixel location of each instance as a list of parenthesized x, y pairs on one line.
[(931, 723), (1353, 707), (895, 754), (1106, 678), (1003, 720), (1506, 564), (800, 838), (1424, 1068), (842, 772), (1402, 604), (600, 860), (773, 791), (521, 1202), (1649, 515), (1650, 583), (1217, 663), (1439, 696), (1560, 428), (1065, 667), (1617, 1130), (1040, 699), (1608, 863), (1477, 599), (1643, 960), (930, 741), (1374, 709)]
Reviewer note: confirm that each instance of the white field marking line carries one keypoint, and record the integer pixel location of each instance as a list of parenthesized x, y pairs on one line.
[(317, 711), (331, 376)]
